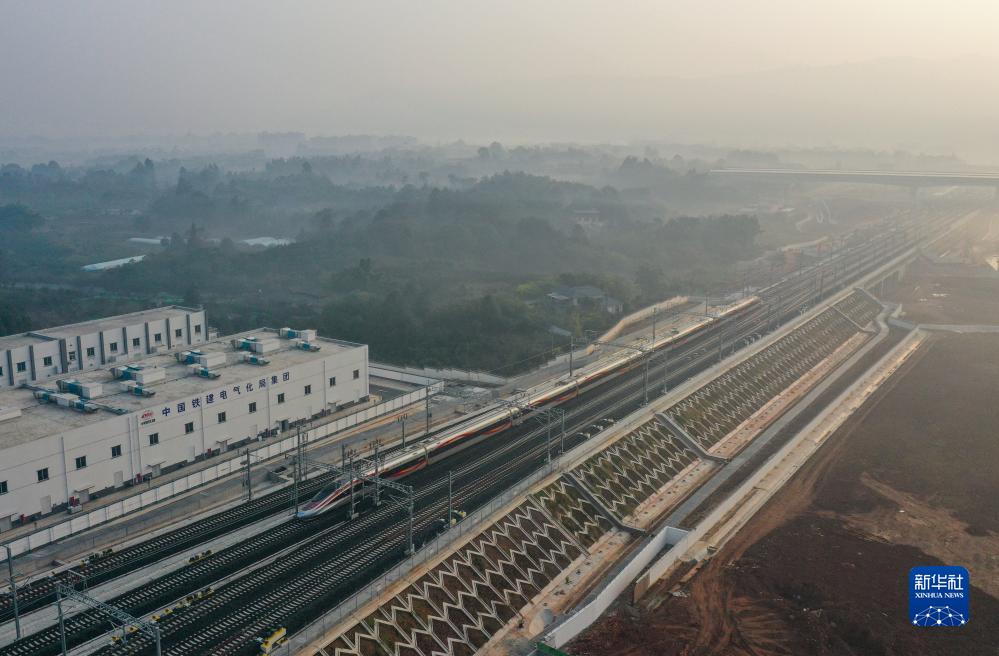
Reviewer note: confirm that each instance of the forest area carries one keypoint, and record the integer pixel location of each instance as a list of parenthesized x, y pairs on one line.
[(429, 258)]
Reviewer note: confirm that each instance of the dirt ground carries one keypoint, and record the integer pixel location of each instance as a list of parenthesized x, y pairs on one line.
[(958, 285), (947, 293), (910, 480)]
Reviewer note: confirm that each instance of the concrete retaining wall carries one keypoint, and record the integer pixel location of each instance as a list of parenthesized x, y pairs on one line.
[(664, 564)]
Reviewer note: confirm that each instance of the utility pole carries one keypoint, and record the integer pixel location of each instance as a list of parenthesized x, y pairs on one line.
[(402, 420), (409, 526), (572, 347), (298, 464), (13, 590), (350, 475), (645, 377), (561, 437), (721, 342), (548, 444), (427, 397), (62, 622), (450, 507), (378, 496), (655, 311), (249, 479)]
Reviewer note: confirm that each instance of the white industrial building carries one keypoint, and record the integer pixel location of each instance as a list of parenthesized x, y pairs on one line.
[(45, 354), (79, 429)]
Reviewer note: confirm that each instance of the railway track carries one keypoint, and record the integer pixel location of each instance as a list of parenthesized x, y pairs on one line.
[(345, 546), (268, 598), (118, 563), (174, 587)]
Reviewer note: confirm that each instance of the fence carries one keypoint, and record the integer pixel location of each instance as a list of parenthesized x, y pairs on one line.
[(181, 485), (429, 373), (401, 374), (471, 524)]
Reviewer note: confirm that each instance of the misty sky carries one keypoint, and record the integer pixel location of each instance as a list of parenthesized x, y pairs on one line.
[(436, 69)]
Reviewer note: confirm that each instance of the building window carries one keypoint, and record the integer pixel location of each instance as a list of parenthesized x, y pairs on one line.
[(43, 474), (90, 351), (158, 337), (197, 329), (81, 462), (1, 371), (308, 390), (114, 347), (221, 417), (3, 487), (136, 342), (47, 361), (21, 367), (179, 332), (357, 374), (253, 407), (154, 439), (116, 451), (281, 397), (72, 356), (189, 427), (333, 381)]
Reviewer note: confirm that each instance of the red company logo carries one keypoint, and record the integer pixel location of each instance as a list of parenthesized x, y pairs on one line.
[(147, 417)]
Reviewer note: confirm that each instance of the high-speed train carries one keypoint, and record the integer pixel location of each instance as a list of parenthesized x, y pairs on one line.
[(418, 455)]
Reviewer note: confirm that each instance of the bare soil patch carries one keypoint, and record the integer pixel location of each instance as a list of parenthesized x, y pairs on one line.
[(910, 480)]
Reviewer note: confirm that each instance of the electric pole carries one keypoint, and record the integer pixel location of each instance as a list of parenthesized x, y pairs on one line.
[(548, 443), (298, 464), (450, 507), (353, 512), (427, 429), (645, 377), (249, 480), (13, 590), (402, 420)]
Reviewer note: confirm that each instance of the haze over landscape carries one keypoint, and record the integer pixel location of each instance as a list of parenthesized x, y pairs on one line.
[(499, 328), (891, 75)]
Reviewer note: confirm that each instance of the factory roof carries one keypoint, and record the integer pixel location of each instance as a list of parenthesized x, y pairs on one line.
[(39, 419), (109, 323), (93, 326)]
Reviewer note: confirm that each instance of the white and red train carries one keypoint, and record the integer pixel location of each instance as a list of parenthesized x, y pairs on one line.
[(420, 454)]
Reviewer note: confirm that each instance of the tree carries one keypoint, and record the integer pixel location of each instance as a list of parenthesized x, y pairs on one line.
[(192, 296), (194, 238), (650, 280), (21, 218)]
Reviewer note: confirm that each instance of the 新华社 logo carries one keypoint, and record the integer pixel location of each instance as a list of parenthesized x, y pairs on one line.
[(938, 596)]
